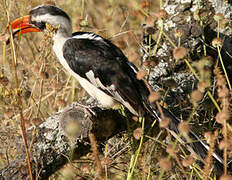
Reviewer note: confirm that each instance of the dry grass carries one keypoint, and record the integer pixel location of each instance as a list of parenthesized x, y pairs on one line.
[(44, 86)]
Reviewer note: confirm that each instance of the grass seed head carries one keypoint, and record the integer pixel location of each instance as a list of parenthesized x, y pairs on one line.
[(196, 96), (57, 86), (223, 23), (172, 149), (200, 14), (150, 21), (135, 118), (105, 161), (203, 85), (154, 96), (178, 33), (223, 144), (225, 177), (222, 116), (184, 127), (208, 60), (216, 42), (221, 81), (223, 92), (179, 53), (137, 133), (151, 63), (188, 161), (8, 114), (50, 2), (165, 122), (218, 17), (144, 4), (161, 14), (36, 69), (165, 164), (208, 137), (61, 103), (141, 75)]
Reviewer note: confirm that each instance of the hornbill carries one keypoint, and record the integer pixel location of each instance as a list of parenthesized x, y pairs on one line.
[(100, 67)]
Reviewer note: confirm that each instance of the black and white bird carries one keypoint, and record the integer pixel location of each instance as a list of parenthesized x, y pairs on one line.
[(100, 67)]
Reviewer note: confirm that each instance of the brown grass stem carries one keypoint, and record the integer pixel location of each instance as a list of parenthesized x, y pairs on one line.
[(23, 128), (94, 148), (159, 37), (223, 67), (131, 170)]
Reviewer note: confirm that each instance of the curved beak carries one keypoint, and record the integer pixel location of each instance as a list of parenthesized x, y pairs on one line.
[(22, 26)]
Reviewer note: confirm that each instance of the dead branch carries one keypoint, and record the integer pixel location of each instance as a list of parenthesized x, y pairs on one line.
[(52, 142)]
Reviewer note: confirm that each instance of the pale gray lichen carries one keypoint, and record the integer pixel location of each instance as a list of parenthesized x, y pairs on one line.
[(222, 7)]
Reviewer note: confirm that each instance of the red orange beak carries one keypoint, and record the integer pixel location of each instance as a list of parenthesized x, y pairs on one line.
[(22, 26)]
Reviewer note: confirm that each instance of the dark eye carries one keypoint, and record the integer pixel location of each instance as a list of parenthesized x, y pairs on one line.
[(40, 25)]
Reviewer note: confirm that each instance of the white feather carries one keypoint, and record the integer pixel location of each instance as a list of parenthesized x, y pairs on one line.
[(88, 36)]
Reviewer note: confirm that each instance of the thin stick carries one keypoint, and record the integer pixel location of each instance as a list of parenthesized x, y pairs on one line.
[(94, 148)]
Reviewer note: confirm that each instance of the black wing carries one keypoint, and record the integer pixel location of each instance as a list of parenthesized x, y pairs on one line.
[(108, 64)]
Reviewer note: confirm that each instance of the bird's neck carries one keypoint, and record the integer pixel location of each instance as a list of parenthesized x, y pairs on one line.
[(59, 39), (60, 36)]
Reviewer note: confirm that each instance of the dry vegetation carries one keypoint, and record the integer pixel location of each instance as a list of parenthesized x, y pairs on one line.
[(33, 86)]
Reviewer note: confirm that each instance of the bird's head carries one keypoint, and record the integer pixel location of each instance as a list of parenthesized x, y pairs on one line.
[(40, 17)]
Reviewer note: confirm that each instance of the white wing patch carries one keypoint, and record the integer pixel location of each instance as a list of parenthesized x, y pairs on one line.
[(95, 81), (91, 77), (89, 36), (111, 89)]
